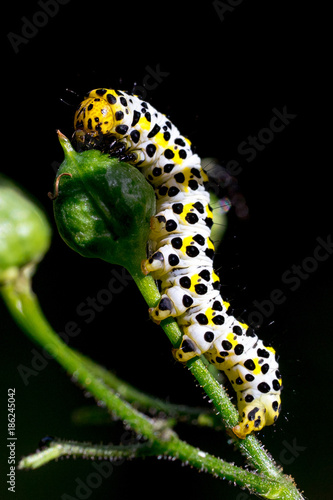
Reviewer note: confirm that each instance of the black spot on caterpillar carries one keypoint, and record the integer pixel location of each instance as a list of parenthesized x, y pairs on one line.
[(181, 250)]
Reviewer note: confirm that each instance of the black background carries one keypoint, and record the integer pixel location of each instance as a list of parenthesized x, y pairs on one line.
[(220, 77)]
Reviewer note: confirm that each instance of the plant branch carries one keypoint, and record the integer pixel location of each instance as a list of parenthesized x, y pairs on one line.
[(183, 413), (24, 306), (92, 415), (172, 447), (73, 449)]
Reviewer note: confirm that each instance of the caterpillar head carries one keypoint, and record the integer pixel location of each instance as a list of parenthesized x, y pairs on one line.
[(95, 117)]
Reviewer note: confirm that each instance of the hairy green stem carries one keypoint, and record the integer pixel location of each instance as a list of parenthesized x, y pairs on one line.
[(171, 447), (24, 307), (59, 448), (93, 415), (200, 416)]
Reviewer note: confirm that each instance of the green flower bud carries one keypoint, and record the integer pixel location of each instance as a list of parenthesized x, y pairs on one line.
[(25, 233), (103, 207)]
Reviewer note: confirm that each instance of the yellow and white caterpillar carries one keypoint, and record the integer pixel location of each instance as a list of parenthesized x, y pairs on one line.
[(181, 258)]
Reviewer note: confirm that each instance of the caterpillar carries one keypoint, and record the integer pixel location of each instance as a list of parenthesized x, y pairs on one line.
[(181, 251)]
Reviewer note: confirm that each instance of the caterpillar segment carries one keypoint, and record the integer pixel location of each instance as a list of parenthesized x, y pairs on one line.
[(181, 251)]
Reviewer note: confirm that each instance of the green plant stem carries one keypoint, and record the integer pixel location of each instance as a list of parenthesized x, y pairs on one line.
[(200, 416), (25, 309), (250, 446), (176, 449), (59, 448), (93, 415)]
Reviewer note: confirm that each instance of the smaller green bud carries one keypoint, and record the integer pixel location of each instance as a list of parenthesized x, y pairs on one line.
[(25, 233), (102, 207)]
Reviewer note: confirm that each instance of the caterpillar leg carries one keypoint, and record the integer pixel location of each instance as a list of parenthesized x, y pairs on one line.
[(174, 302), (186, 351), (197, 339), (154, 263), (163, 310), (163, 261)]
